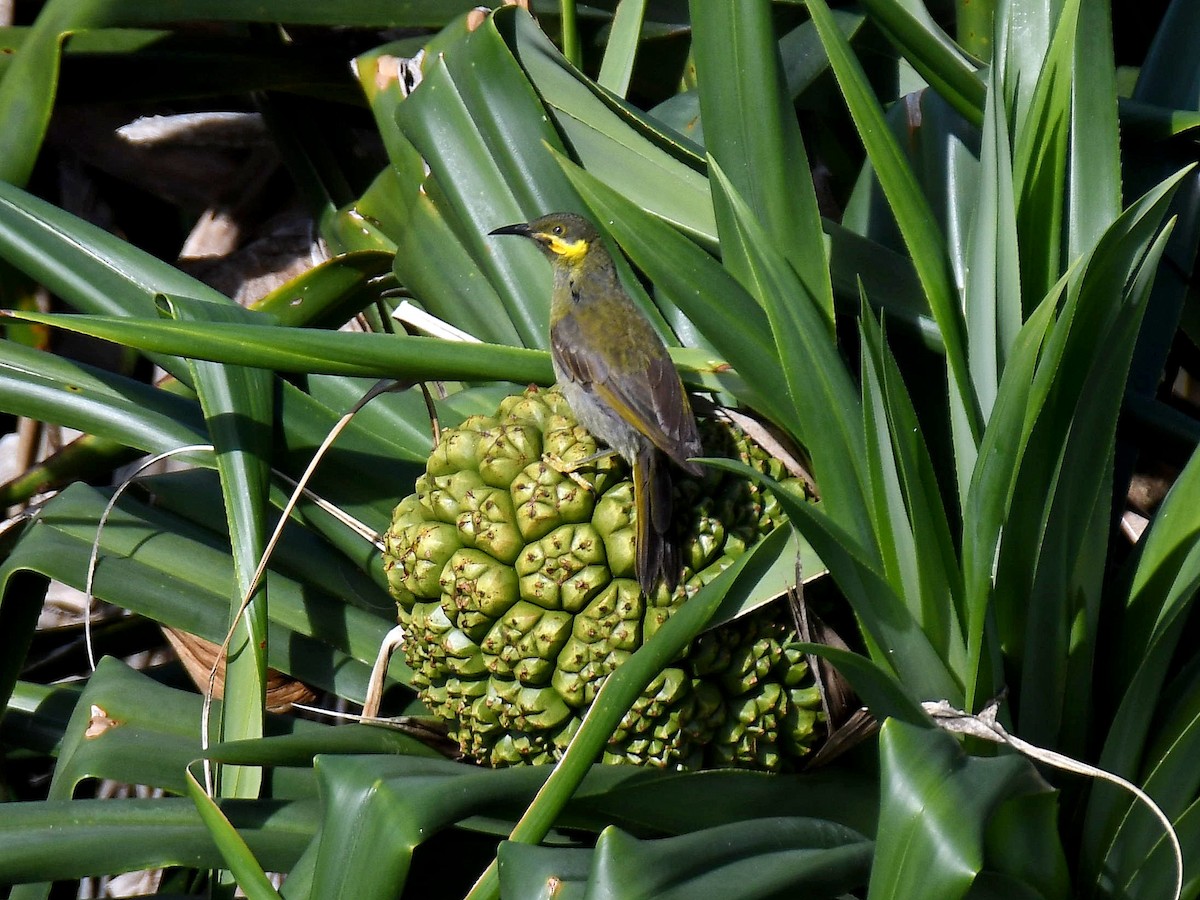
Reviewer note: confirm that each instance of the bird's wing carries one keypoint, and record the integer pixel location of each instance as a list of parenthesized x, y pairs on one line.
[(646, 393), (567, 342)]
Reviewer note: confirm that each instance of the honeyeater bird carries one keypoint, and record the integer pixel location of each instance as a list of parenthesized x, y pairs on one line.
[(618, 379)]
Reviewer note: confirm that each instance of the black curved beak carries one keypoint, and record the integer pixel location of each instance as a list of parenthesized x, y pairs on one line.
[(520, 228)]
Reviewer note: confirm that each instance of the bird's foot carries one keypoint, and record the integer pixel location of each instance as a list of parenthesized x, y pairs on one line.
[(570, 469)]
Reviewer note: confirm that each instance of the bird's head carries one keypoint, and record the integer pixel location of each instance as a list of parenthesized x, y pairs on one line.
[(563, 237)]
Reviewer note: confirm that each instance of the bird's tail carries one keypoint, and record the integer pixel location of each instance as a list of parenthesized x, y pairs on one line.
[(657, 555)]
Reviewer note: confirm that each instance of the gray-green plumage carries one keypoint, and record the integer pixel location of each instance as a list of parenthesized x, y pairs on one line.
[(617, 377)]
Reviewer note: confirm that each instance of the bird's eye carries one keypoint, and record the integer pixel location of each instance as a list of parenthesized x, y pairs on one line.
[(557, 229)]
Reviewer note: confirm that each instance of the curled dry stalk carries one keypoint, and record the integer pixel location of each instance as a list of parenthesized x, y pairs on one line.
[(380, 387), (985, 727), (415, 318), (299, 489), (94, 557)]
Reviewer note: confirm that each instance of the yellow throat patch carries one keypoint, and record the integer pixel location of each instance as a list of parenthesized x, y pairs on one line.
[(571, 251)]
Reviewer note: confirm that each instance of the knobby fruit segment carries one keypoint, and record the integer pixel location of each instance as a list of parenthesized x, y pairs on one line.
[(517, 592)]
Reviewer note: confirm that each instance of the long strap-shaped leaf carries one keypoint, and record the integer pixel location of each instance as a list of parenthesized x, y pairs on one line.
[(237, 404), (894, 638), (915, 219), (932, 53), (1036, 369), (309, 350), (1039, 163), (824, 409), (919, 552), (750, 130), (618, 694)]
